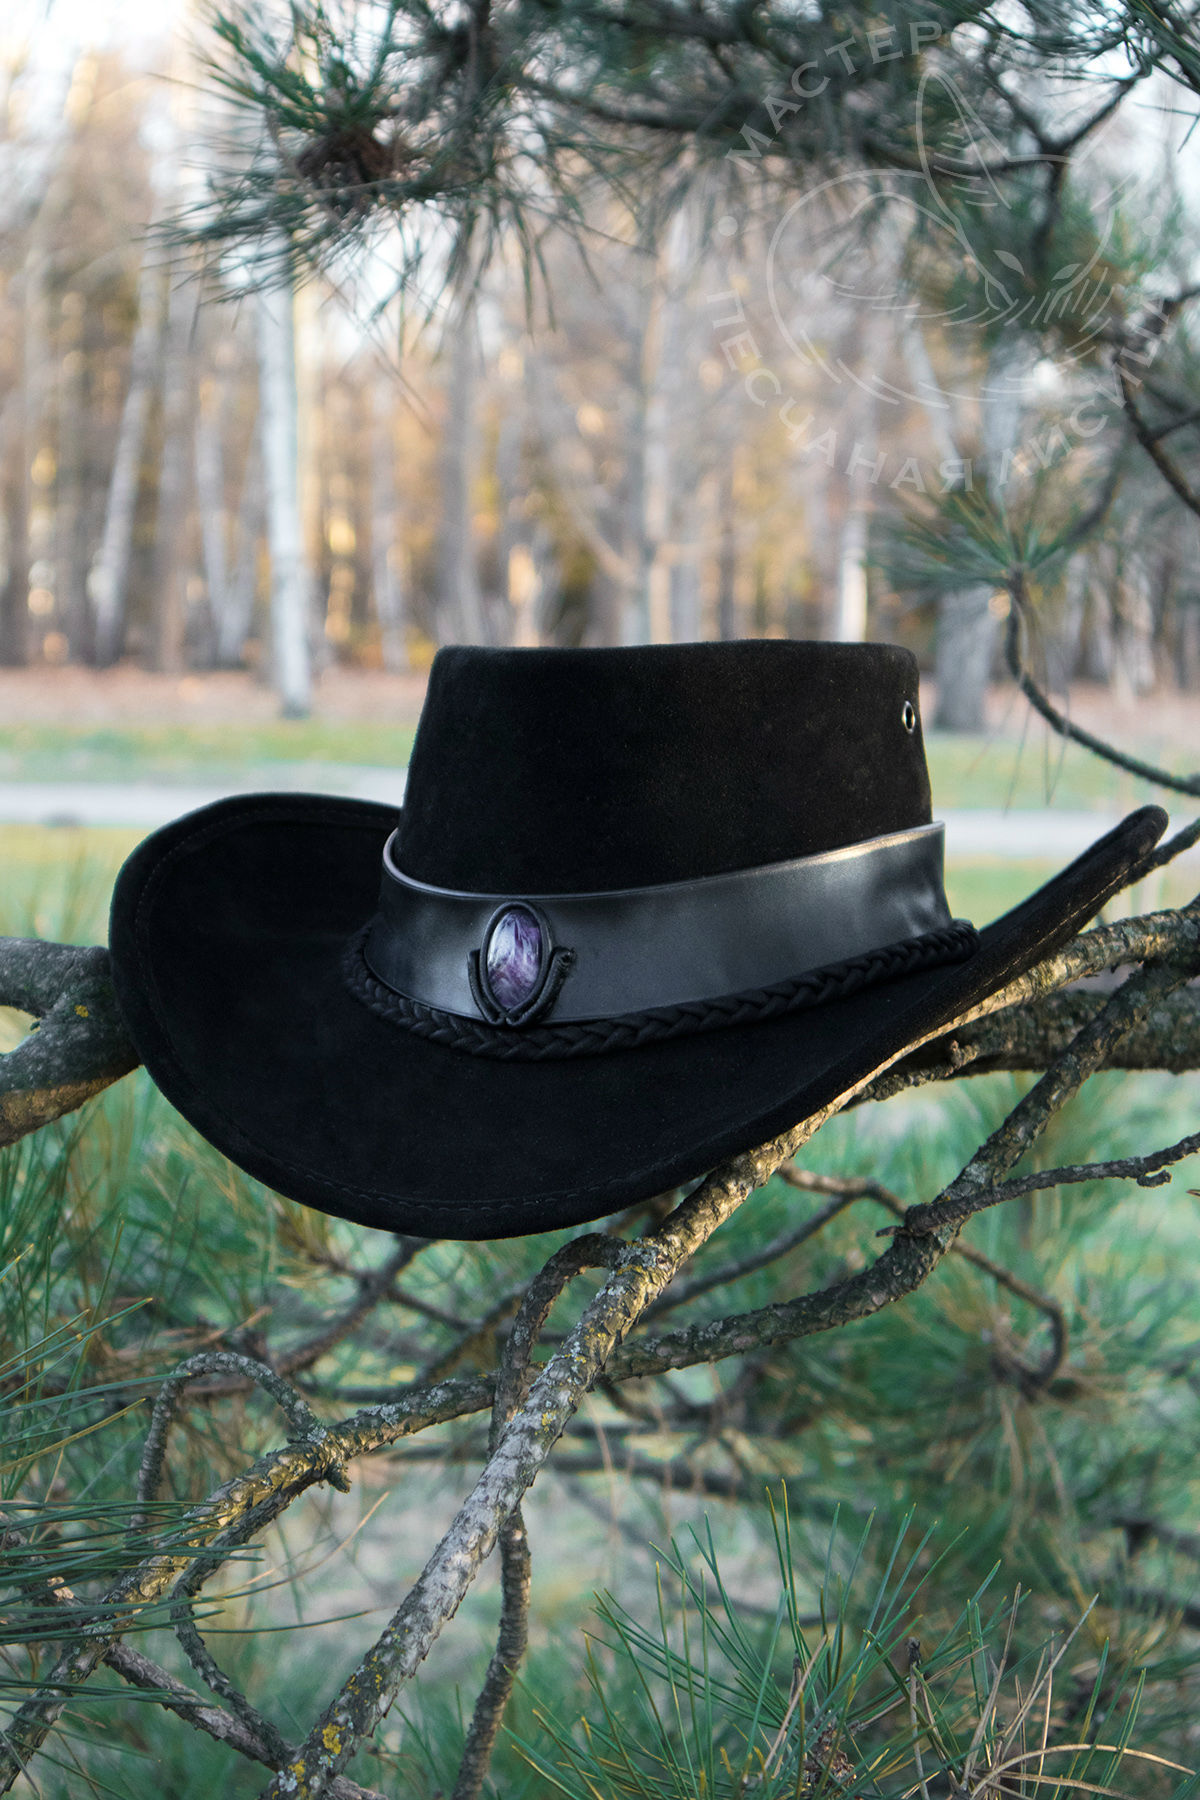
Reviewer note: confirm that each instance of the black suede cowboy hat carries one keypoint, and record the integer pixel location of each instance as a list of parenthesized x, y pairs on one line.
[(642, 909)]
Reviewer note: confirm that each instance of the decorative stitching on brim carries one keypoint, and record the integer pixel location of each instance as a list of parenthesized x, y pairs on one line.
[(597, 1037)]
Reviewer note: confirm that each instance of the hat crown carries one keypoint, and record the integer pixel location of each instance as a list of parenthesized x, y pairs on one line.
[(557, 771)]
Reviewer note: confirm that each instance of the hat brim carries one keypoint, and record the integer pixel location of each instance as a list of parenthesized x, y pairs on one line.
[(228, 933)]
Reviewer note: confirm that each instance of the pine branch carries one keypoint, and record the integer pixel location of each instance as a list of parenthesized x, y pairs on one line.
[(1041, 702), (1030, 1037), (374, 1285), (294, 1407), (140, 1672), (78, 1046), (928, 1230), (279, 1751), (646, 1267), (781, 1246), (512, 1386), (1151, 442), (855, 1188), (1087, 1052), (243, 1503)]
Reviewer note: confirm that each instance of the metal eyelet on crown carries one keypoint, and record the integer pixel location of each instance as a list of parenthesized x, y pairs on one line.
[(908, 717)]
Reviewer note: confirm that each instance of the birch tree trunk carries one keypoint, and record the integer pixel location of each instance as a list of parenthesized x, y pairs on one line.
[(851, 596), (291, 652), (655, 477), (387, 551), (966, 627), (208, 451), (236, 613), (14, 554), (108, 577), (70, 479), (459, 600), (728, 625), (168, 619)]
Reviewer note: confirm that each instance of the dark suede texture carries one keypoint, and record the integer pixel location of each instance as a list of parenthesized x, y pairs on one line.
[(229, 930), (560, 771)]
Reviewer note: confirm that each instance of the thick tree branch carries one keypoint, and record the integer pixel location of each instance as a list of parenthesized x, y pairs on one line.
[(248, 1500), (645, 1269), (294, 1407), (78, 1046), (512, 1386), (928, 1230), (1030, 1037), (945, 1216), (81, 1046), (140, 1672)]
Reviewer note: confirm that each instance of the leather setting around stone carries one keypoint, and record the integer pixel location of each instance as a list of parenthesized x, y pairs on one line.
[(517, 972)]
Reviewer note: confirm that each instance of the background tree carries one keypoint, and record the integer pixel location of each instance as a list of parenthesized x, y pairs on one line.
[(974, 148)]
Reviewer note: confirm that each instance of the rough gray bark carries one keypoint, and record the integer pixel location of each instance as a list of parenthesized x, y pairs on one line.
[(78, 1045)]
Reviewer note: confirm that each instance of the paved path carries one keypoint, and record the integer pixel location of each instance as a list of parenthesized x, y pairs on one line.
[(1044, 834), (149, 804)]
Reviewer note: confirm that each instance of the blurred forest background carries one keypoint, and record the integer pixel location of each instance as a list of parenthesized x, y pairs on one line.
[(602, 458)]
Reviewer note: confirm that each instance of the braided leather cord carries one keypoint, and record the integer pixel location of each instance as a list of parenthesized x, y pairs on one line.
[(596, 1037)]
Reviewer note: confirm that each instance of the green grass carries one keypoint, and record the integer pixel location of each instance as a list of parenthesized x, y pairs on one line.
[(187, 752), (982, 888), (56, 880), (1041, 770)]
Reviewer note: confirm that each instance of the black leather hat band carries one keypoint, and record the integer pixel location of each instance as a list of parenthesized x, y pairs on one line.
[(515, 962)]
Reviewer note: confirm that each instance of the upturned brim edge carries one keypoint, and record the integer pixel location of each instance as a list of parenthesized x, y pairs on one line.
[(228, 933)]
